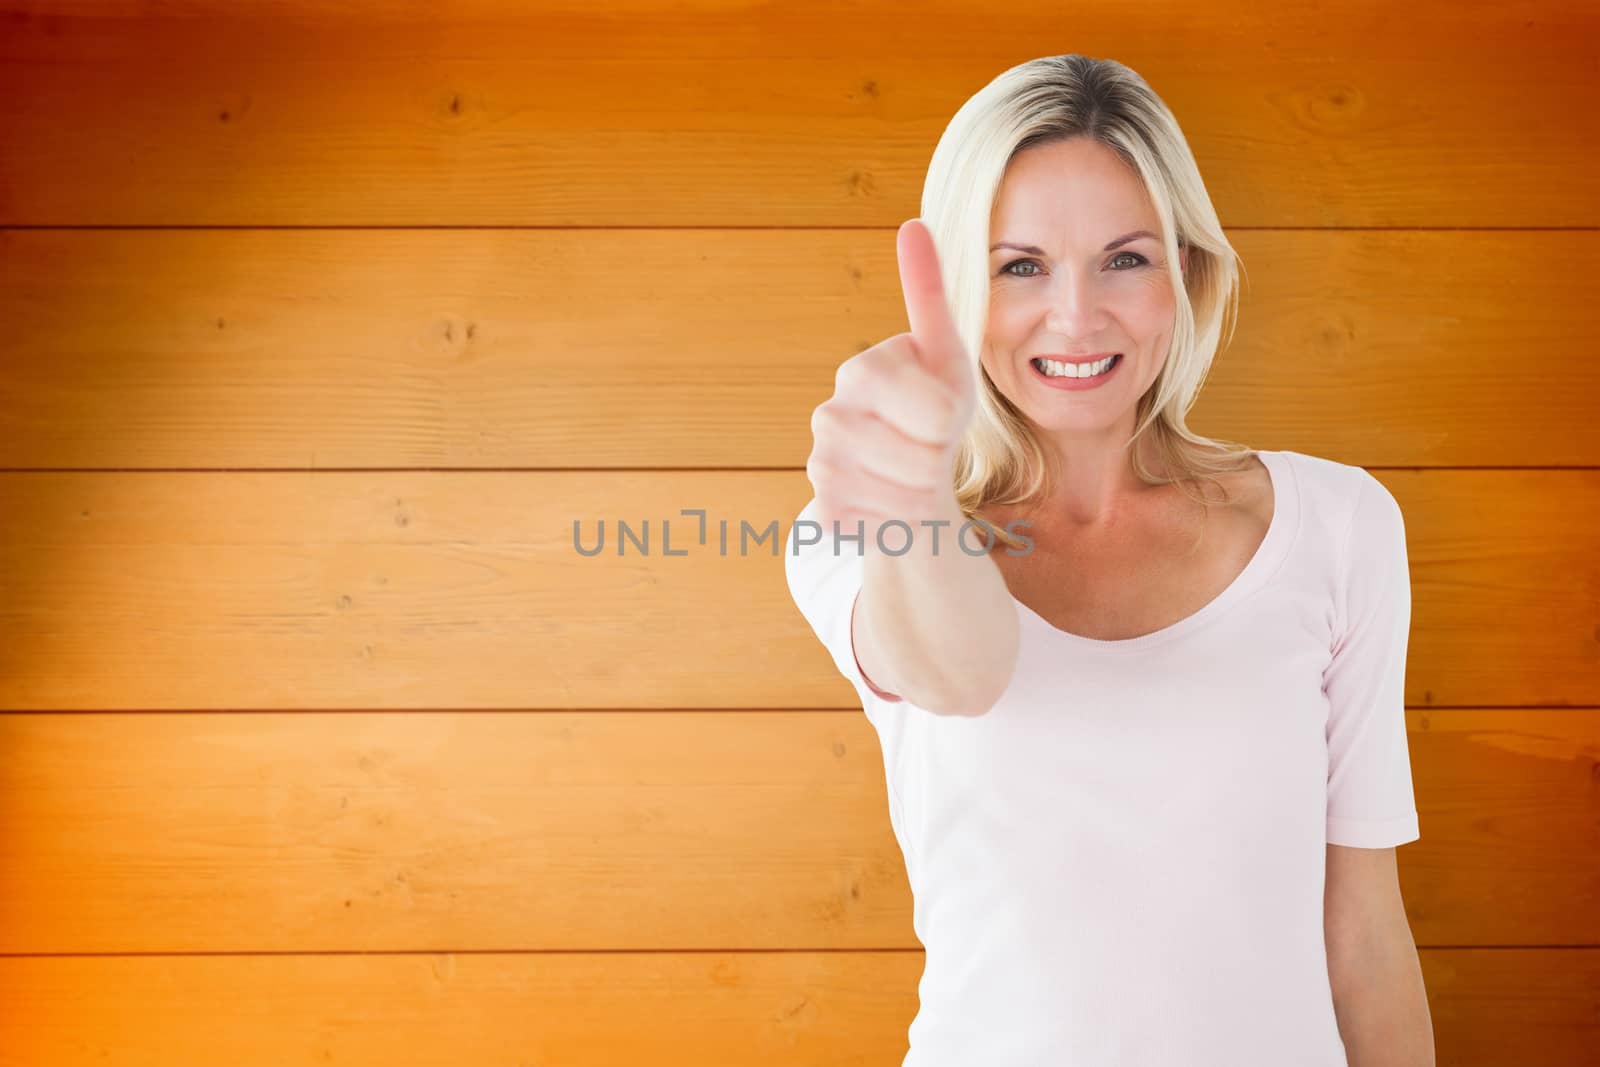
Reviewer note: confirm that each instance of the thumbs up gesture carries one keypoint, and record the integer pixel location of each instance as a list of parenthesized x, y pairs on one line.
[(885, 442)]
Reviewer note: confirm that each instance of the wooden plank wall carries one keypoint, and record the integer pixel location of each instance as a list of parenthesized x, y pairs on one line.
[(324, 322)]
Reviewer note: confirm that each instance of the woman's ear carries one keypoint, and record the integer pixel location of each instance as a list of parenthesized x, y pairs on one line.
[(1183, 257)]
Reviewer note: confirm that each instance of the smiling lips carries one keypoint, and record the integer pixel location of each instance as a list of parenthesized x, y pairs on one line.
[(1080, 374), (1058, 358)]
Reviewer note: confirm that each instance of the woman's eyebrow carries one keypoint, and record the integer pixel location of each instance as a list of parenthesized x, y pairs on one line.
[(1035, 251)]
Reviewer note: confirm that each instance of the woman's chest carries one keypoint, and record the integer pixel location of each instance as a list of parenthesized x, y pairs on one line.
[(1221, 727), (1145, 583)]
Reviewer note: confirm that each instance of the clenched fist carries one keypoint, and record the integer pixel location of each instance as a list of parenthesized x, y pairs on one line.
[(885, 442)]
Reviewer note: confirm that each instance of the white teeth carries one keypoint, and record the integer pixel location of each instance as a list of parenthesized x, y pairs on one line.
[(1054, 369)]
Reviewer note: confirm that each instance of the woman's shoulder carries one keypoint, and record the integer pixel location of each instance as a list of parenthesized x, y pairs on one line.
[(1328, 481), (1330, 494)]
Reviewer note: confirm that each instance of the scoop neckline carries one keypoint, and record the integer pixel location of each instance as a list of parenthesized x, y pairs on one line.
[(1269, 553)]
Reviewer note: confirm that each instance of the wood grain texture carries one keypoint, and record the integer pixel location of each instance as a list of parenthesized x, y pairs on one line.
[(1491, 1007), (278, 590), (323, 322), (709, 348), (1439, 115), (578, 831)]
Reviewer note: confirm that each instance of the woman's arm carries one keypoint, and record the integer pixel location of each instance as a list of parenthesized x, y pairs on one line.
[(1378, 994)]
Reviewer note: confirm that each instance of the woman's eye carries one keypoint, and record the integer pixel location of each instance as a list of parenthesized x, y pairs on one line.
[(1136, 257)]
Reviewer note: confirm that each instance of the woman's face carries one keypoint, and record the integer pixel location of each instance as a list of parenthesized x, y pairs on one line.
[(1070, 295)]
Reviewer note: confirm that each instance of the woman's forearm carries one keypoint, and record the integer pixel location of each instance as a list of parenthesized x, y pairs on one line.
[(1382, 1004), (936, 624)]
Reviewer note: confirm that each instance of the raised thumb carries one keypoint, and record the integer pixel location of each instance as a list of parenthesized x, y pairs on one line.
[(933, 329)]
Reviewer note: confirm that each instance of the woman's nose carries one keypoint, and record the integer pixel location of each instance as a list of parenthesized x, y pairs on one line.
[(1074, 304)]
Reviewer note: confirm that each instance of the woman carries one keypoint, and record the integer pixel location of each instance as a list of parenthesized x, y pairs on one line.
[(1145, 747)]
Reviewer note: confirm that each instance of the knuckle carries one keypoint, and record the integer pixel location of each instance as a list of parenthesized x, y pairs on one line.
[(819, 471), (847, 376), (869, 380), (903, 372), (821, 418)]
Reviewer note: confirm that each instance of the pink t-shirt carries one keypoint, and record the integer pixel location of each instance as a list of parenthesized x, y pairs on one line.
[(1122, 862)]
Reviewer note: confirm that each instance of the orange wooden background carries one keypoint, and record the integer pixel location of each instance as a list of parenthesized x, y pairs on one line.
[(322, 323)]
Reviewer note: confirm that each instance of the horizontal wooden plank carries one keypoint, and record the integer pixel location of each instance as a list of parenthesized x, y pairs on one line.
[(304, 349), (439, 831), (250, 590), (1533, 1007), (1490, 1007), (768, 115), (1510, 822)]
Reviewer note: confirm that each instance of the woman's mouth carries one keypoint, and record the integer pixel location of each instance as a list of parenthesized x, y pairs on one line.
[(1074, 375)]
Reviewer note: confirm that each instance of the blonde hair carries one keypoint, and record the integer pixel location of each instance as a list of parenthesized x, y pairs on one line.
[(1001, 460)]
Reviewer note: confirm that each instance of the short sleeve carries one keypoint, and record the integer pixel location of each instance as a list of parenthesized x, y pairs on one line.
[(824, 582), (1370, 799)]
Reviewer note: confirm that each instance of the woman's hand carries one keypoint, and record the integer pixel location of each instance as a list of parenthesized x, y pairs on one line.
[(885, 442)]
